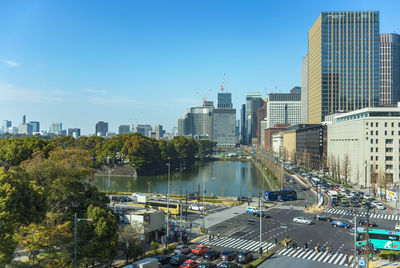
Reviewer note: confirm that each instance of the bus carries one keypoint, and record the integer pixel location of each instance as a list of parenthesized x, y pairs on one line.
[(282, 195), (174, 208), (380, 239)]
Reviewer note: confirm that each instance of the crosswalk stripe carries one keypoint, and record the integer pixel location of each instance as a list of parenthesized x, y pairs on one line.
[(244, 242), (312, 255), (326, 258), (308, 254), (303, 253), (283, 251), (333, 257), (288, 252), (224, 241), (298, 251), (317, 256), (322, 256), (251, 245), (338, 258), (343, 260), (351, 259), (234, 241)]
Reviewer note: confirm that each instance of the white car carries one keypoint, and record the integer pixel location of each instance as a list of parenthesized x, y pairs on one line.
[(397, 227), (196, 207), (302, 220), (375, 202), (379, 206)]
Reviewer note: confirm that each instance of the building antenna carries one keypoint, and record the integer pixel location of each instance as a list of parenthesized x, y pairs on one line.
[(223, 83)]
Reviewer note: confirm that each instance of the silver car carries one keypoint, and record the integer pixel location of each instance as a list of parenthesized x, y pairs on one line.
[(302, 220)]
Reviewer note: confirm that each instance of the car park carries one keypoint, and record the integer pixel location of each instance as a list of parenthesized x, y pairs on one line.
[(207, 264), (340, 224), (228, 264), (182, 249), (228, 255), (200, 249), (244, 257), (320, 217), (251, 210), (302, 220), (189, 264), (212, 254), (178, 259), (365, 222)]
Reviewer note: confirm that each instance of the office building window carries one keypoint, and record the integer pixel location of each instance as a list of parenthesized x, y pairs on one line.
[(376, 158), (372, 132), (389, 158), (376, 141), (389, 166), (389, 150), (376, 132), (372, 149), (376, 149), (385, 124), (372, 141), (385, 133), (392, 124), (372, 158), (376, 124), (389, 141), (377, 166), (392, 133)]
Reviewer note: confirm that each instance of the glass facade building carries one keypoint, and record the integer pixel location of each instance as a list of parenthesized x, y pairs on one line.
[(343, 67), (389, 69)]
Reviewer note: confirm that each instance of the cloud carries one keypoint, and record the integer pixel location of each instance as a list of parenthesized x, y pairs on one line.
[(11, 63), (10, 92), (95, 92)]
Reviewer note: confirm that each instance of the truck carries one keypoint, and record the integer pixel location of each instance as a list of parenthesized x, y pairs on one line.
[(144, 263)]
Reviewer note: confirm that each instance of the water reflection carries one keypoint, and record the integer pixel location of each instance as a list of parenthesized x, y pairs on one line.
[(229, 178)]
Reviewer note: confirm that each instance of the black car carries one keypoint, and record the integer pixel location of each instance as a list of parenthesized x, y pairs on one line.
[(334, 203), (163, 259), (345, 204), (355, 204), (228, 255), (244, 257), (244, 199), (178, 259), (365, 222), (322, 218), (228, 264), (207, 264), (264, 214), (211, 254)]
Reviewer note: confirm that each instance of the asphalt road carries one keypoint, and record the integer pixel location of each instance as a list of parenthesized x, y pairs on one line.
[(278, 261)]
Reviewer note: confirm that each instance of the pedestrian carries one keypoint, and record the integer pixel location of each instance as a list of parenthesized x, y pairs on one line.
[(213, 236), (209, 237), (190, 226), (306, 245), (219, 235), (285, 244), (276, 240)]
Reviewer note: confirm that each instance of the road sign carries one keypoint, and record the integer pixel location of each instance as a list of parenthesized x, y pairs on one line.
[(361, 262)]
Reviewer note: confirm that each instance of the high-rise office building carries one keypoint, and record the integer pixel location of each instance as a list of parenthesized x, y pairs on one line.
[(389, 69), (25, 129), (295, 90), (253, 103), (101, 129), (35, 126), (124, 129), (6, 125), (283, 108), (56, 128), (158, 129), (74, 132), (224, 121), (24, 119), (197, 122), (343, 63), (304, 90), (144, 130)]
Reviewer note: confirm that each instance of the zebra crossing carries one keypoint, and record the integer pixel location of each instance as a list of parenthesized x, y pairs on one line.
[(347, 213), (322, 256), (236, 243)]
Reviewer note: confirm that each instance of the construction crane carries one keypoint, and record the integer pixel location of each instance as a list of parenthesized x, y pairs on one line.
[(223, 85), (204, 98)]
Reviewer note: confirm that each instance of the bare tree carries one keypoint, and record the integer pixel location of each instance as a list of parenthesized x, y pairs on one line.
[(374, 178), (338, 169), (346, 168), (129, 235)]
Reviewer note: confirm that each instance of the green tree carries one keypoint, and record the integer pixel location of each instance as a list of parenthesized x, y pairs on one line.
[(205, 147), (7, 241), (99, 237)]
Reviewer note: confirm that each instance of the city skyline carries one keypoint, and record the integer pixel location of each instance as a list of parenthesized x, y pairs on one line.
[(133, 60)]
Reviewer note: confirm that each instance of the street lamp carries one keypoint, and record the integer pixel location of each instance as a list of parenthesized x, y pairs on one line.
[(204, 211), (169, 178), (76, 220)]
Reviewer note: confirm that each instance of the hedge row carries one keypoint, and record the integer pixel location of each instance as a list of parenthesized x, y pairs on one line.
[(385, 254), (160, 251)]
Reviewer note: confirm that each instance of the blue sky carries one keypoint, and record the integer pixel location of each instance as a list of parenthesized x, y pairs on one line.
[(80, 62)]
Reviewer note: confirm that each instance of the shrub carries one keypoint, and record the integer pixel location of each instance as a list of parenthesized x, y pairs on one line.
[(153, 245), (385, 254)]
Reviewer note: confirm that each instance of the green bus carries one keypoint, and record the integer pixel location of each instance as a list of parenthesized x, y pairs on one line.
[(380, 239)]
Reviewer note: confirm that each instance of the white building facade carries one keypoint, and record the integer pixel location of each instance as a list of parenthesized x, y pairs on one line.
[(283, 109), (277, 144), (370, 138)]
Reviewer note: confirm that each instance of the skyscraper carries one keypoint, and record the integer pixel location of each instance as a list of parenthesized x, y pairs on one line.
[(124, 129), (253, 102), (56, 128), (389, 69), (343, 63), (6, 125), (224, 121), (101, 129), (304, 90), (35, 126), (24, 119)]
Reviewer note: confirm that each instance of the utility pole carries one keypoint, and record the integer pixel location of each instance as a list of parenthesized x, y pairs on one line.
[(355, 239), (204, 207), (169, 178), (261, 211)]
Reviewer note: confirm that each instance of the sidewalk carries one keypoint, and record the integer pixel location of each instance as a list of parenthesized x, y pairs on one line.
[(384, 263)]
